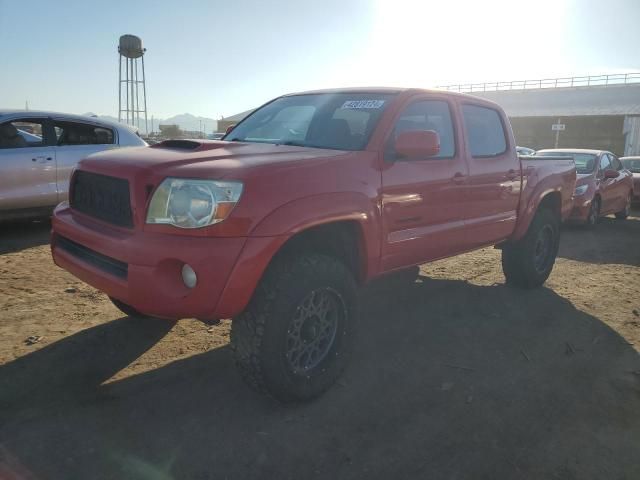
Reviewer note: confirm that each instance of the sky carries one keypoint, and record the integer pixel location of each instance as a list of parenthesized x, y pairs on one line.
[(218, 58)]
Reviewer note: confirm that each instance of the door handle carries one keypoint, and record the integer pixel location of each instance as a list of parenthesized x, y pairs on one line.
[(512, 174), (41, 159), (459, 178)]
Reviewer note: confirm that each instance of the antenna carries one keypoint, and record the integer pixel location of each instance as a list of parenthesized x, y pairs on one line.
[(130, 50)]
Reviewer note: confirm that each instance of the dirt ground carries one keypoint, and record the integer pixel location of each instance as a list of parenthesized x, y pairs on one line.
[(455, 376)]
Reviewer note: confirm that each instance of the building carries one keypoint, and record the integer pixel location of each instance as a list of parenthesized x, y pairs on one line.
[(227, 122), (599, 112), (170, 131)]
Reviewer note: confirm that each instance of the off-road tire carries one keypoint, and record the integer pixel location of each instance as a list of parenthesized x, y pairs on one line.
[(624, 213), (521, 263), (128, 309), (260, 335)]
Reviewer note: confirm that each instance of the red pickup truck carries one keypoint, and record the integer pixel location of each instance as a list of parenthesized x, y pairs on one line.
[(309, 197)]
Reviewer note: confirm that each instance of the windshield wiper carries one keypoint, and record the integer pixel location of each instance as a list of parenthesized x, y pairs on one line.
[(293, 143)]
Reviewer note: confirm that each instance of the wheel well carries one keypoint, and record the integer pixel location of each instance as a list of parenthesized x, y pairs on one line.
[(342, 240), (552, 201)]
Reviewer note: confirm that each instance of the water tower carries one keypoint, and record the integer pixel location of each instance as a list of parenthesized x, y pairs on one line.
[(130, 97)]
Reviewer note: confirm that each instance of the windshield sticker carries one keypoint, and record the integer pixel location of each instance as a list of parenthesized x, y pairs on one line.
[(351, 104)]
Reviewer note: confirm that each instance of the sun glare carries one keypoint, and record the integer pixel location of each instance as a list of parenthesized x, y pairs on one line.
[(424, 43)]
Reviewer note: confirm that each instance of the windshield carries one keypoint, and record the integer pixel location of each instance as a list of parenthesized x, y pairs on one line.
[(632, 164), (340, 121), (585, 162)]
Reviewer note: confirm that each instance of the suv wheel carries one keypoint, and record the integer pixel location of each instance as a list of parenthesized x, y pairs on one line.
[(623, 214), (294, 339), (528, 262)]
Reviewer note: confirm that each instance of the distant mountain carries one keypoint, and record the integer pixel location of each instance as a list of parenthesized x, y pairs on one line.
[(185, 121)]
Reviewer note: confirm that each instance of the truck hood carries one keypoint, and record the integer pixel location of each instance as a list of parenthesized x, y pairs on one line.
[(272, 176), (205, 159)]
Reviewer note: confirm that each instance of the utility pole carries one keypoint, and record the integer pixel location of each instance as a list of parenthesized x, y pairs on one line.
[(557, 133)]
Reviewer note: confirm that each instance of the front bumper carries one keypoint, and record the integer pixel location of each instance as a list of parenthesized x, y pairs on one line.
[(151, 280)]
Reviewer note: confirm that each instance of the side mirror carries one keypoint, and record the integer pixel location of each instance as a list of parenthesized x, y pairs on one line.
[(610, 174), (417, 144), (229, 128)]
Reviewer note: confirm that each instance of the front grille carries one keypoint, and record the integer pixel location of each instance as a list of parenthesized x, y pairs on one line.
[(106, 264), (103, 197)]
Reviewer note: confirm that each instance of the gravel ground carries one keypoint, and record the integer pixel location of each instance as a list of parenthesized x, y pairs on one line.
[(455, 376)]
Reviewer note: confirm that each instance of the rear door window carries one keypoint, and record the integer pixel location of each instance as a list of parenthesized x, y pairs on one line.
[(76, 133), (485, 133)]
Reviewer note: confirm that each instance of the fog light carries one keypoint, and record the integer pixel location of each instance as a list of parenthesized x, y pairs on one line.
[(189, 277)]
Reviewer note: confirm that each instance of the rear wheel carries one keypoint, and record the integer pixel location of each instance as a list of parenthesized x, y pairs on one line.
[(528, 262), (294, 339), (624, 213), (127, 309), (594, 213)]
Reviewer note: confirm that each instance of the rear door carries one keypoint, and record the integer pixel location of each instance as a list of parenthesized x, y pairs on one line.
[(423, 200), (74, 141), (494, 175), (27, 164)]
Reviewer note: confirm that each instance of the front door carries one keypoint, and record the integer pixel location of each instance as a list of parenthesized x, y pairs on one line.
[(607, 186), (621, 187), (27, 165), (423, 200)]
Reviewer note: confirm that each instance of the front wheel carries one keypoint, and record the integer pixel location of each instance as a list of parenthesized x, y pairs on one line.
[(594, 213), (294, 339), (624, 213), (528, 262)]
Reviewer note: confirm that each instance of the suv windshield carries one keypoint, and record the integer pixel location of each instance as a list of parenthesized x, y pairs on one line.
[(339, 121), (585, 162), (632, 164)]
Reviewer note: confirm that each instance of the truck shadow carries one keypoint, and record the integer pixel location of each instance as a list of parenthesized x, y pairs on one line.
[(611, 241), (448, 379), (18, 235)]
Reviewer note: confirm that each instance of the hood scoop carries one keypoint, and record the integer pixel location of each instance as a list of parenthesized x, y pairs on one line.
[(191, 145)]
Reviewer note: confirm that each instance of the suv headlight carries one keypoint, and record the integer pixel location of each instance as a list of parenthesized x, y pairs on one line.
[(581, 189), (188, 203)]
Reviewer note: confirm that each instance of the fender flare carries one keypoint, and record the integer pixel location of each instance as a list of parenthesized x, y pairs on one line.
[(290, 219), (530, 207)]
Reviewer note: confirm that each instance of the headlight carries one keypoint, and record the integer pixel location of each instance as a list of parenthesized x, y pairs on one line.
[(581, 189), (187, 203)]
